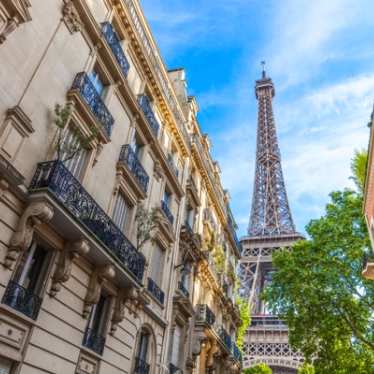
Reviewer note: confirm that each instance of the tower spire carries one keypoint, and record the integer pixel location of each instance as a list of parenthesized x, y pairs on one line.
[(270, 214)]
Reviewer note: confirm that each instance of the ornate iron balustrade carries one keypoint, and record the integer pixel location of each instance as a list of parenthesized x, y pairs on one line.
[(166, 210), (182, 288), (22, 300), (128, 157), (174, 369), (112, 39), (87, 90), (236, 352), (205, 315), (156, 291), (66, 189), (145, 105), (266, 321), (225, 337), (94, 341), (141, 367)]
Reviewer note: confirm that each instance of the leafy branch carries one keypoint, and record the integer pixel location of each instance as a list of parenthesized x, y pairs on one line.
[(146, 222)]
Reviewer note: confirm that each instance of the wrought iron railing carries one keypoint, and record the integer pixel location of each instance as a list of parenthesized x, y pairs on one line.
[(236, 352), (66, 189), (174, 369), (22, 300), (156, 291), (225, 338), (165, 208), (128, 157), (141, 367), (205, 315), (266, 321), (182, 288), (87, 90), (112, 39), (145, 104), (94, 341)]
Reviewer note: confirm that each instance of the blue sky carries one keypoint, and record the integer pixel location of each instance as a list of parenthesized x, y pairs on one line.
[(320, 55)]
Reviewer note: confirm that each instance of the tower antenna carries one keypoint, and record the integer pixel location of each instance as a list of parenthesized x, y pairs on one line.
[(263, 63)]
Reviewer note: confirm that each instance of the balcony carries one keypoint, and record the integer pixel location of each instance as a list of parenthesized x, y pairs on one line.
[(225, 338), (205, 315), (22, 300), (94, 341), (129, 158), (156, 291), (141, 367), (57, 180), (183, 290), (145, 105), (83, 85), (166, 210), (174, 370), (113, 41)]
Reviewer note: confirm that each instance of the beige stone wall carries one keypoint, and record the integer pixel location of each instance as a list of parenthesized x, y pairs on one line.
[(39, 59)]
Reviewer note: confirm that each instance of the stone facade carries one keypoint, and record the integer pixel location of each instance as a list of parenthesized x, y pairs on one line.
[(118, 252)]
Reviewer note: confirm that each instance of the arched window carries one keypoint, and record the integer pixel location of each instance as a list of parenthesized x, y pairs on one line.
[(144, 353)]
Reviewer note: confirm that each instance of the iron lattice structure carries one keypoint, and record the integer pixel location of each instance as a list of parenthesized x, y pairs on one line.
[(270, 228)]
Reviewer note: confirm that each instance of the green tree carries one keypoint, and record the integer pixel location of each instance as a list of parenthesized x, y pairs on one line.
[(258, 369), (318, 288), (306, 369), (146, 225), (245, 318), (359, 167)]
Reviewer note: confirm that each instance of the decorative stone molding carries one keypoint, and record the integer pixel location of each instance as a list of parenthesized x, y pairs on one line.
[(34, 215), (129, 296), (98, 277), (157, 170), (199, 341), (65, 263), (71, 17), (13, 13), (212, 353)]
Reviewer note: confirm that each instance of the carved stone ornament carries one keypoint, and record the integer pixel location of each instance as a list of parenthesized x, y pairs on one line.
[(199, 342), (71, 17), (34, 215), (98, 277), (157, 170), (65, 263), (212, 353), (125, 295)]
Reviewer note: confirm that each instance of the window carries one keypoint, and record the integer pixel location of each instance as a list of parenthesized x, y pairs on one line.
[(23, 292), (97, 82), (121, 211), (176, 345), (141, 363), (5, 366), (136, 145), (167, 198), (190, 217), (157, 265), (95, 333), (74, 155)]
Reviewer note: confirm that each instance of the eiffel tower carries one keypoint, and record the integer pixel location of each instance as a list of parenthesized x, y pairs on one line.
[(270, 228)]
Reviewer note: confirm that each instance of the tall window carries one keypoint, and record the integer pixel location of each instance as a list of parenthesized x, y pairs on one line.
[(136, 145), (74, 155), (167, 198), (142, 365), (31, 271), (121, 211), (190, 217), (176, 347), (94, 337), (157, 265)]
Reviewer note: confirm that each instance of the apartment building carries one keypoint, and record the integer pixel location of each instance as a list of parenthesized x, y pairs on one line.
[(118, 249)]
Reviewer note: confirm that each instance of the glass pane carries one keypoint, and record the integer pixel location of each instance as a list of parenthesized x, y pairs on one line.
[(96, 81), (120, 211), (143, 346), (5, 366)]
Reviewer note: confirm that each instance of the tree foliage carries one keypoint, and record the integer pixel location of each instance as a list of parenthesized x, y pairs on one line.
[(359, 167), (258, 369), (146, 225), (318, 289), (306, 369), (245, 318)]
